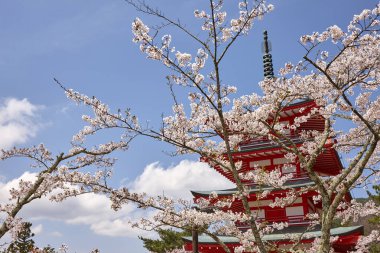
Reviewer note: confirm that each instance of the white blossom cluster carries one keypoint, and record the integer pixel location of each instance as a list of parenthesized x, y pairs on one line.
[(342, 85), (355, 210), (366, 241)]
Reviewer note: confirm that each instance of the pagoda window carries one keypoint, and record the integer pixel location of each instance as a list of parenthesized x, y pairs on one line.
[(281, 160), (259, 214), (298, 201), (294, 211), (291, 168), (260, 163), (258, 203)]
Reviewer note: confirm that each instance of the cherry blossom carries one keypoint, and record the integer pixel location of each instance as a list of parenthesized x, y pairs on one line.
[(213, 123)]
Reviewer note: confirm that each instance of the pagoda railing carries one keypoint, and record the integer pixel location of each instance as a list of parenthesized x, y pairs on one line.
[(291, 220), (264, 142), (296, 177), (294, 220)]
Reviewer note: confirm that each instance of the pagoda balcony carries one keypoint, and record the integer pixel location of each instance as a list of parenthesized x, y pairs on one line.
[(303, 176), (266, 143), (296, 220), (264, 153), (347, 237)]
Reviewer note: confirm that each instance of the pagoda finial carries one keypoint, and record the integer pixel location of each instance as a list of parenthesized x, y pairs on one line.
[(267, 57)]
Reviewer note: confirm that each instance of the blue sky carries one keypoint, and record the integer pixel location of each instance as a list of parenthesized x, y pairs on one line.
[(87, 45)]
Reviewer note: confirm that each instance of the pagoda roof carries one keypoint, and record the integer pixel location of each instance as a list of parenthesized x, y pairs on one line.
[(294, 108), (300, 102), (256, 188), (327, 162), (284, 234), (267, 144)]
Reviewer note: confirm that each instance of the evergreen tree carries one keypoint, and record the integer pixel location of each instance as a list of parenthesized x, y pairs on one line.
[(169, 240), (375, 198), (24, 242), (48, 249)]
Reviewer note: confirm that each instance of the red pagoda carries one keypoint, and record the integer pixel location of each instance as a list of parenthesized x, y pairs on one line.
[(263, 153)]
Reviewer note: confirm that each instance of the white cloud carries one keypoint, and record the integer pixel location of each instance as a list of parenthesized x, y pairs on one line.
[(94, 210), (121, 226), (90, 210), (37, 229), (64, 109), (178, 180), (17, 121), (6, 186), (56, 234)]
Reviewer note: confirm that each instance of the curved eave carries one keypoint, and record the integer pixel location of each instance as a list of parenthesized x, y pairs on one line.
[(294, 109), (291, 111), (340, 231), (229, 192), (327, 163)]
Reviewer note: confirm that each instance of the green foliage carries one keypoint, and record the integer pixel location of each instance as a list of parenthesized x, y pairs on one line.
[(375, 198), (169, 240), (375, 248), (376, 219), (23, 242), (48, 249)]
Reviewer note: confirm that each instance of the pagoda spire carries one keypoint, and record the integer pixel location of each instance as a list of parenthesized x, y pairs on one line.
[(267, 57)]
